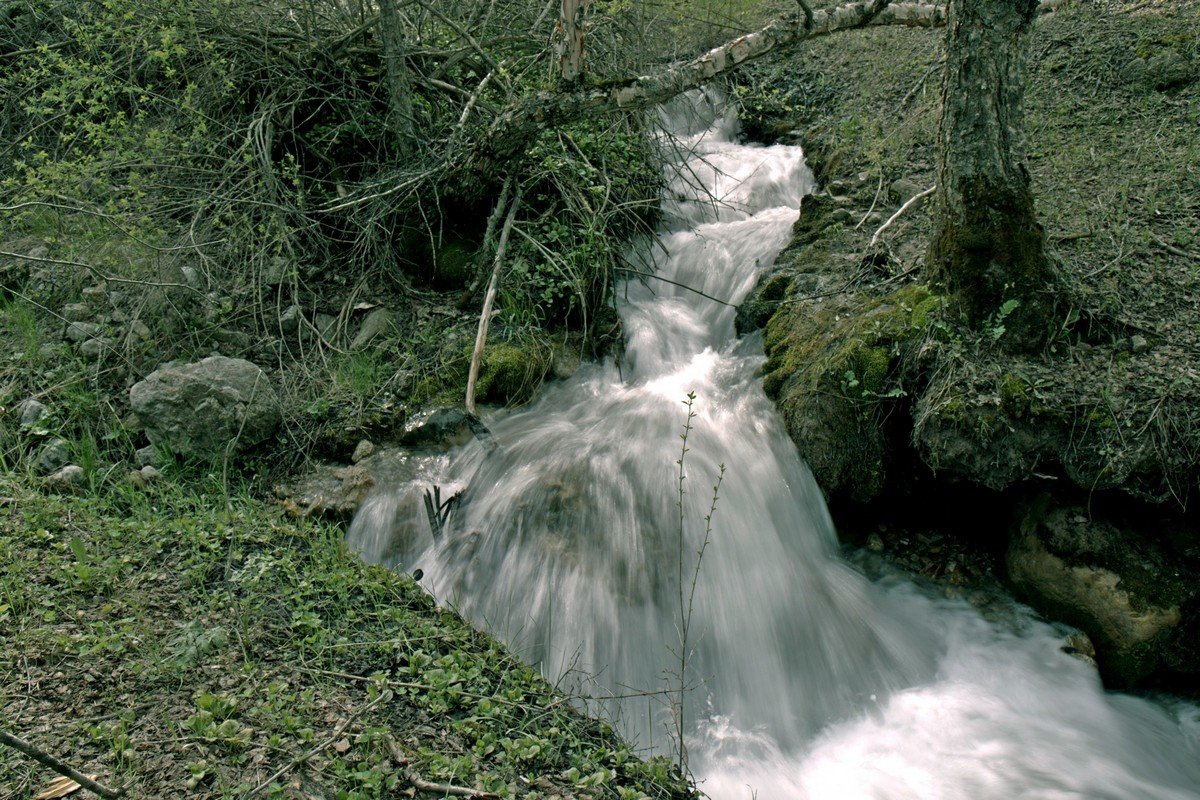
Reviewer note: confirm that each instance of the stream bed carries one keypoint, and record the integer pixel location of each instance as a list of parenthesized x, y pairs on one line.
[(801, 677)]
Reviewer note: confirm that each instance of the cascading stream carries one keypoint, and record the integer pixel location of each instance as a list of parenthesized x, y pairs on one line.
[(809, 681)]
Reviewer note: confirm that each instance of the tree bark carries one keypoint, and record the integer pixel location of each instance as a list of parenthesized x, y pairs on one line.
[(988, 248), (570, 40), (399, 89)]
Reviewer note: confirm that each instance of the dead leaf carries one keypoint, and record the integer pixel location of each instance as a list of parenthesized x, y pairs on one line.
[(59, 787), (341, 746)]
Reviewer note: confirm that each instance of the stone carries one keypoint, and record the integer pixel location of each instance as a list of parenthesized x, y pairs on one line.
[(289, 320), (96, 296), (149, 474), (1139, 344), (567, 361), (94, 348), (327, 491), (69, 477), (1168, 70), (841, 215), (903, 190), (138, 331), (1115, 584), (875, 543), (191, 276), (199, 408), (53, 456), (76, 312), (445, 427), (377, 324), (325, 323), (82, 331), (363, 449), (32, 413), (238, 341), (147, 456)]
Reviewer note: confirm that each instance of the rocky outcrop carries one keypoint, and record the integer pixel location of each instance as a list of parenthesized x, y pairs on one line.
[(204, 408), (1136, 601)]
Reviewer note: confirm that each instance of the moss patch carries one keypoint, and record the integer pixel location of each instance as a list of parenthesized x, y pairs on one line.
[(836, 370)]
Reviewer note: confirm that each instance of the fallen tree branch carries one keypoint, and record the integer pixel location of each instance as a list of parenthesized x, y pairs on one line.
[(422, 785), (61, 767), (912, 201), (522, 121)]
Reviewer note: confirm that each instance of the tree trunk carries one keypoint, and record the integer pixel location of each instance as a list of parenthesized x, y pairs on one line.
[(988, 248), (399, 91), (570, 40)]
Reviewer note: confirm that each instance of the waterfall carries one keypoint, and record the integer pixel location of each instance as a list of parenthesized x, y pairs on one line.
[(805, 679)]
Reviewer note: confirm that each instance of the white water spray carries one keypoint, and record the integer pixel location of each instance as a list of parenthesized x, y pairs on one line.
[(812, 681)]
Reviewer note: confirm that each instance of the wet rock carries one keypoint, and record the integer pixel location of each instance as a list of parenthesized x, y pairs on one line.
[(82, 331), (378, 324), (32, 413), (68, 478), (443, 428), (903, 190), (53, 456), (363, 449), (841, 215), (1115, 584), (1080, 646), (875, 543), (566, 363), (327, 491), (198, 409)]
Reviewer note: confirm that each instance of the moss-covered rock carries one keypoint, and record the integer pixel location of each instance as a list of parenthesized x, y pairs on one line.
[(835, 371), (1123, 587)]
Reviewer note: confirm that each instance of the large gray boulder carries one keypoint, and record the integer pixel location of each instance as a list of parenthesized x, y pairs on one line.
[(200, 409)]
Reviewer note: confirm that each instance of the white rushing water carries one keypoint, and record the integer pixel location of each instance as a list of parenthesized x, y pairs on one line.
[(809, 681)]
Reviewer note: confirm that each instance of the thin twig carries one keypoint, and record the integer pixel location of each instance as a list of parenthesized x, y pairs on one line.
[(657, 277), (912, 201), (62, 768), (874, 201), (99, 274), (1170, 248)]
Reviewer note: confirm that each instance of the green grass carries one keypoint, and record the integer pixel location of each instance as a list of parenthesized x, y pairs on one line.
[(189, 643)]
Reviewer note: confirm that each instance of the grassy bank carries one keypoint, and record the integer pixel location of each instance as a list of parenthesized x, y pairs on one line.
[(189, 642)]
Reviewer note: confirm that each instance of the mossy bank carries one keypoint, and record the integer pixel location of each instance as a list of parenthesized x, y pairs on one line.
[(206, 646), (898, 405)]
